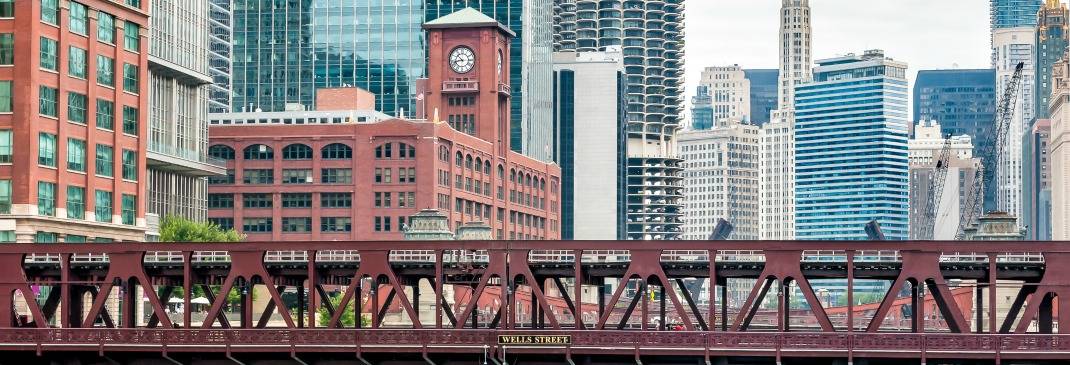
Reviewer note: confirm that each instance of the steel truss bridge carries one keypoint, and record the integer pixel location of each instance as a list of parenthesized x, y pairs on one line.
[(510, 302)]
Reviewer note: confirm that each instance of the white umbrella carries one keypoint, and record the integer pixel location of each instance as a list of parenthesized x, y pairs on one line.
[(174, 300), (200, 300)]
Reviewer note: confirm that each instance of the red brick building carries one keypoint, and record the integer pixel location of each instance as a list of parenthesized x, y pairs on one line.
[(359, 175), (73, 106)]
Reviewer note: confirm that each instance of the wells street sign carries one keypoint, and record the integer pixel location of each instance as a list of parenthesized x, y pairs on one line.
[(534, 340)]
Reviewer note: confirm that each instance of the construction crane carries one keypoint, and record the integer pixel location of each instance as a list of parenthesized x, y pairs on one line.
[(936, 190), (986, 170)]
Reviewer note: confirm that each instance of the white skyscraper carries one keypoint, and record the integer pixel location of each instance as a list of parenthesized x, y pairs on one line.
[(777, 143), (1012, 46), (720, 179), (729, 93)]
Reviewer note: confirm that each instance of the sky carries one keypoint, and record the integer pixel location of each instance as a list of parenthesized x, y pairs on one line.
[(927, 34)]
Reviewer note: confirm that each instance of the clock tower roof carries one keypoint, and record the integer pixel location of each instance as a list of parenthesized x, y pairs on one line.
[(467, 18)]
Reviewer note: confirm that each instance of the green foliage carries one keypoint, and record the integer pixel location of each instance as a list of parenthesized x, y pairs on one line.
[(348, 319), (178, 229)]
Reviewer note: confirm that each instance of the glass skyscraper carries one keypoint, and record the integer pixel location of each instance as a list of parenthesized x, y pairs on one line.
[(763, 94), (963, 102), (220, 48), (851, 158), (286, 49), (1013, 13)]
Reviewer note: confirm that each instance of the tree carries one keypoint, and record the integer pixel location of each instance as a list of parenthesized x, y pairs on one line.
[(178, 229), (348, 318)]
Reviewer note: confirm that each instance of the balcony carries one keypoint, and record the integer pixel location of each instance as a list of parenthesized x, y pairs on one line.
[(460, 86), (169, 158)]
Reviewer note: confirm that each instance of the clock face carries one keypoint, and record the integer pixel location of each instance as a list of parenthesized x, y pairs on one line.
[(462, 59)]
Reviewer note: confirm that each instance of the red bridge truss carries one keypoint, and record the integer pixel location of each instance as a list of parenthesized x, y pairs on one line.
[(508, 301)]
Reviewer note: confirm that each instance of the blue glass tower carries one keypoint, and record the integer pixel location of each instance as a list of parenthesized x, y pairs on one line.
[(851, 164), (1014, 13), (763, 94), (702, 109), (285, 50)]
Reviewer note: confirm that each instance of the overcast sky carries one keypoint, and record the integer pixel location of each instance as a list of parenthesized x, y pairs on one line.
[(927, 34)]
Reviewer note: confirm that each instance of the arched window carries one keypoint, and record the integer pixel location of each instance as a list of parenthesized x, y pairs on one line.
[(501, 172), (258, 152), (444, 154), (512, 175), (486, 167), (297, 151), (527, 180), (542, 184), (479, 164), (468, 161), (222, 152), (384, 151), (406, 151), (336, 151), (460, 159)]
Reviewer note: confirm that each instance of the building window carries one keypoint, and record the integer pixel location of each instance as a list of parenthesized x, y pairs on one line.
[(6, 146), (105, 161), (297, 200), (46, 198), (383, 151), (46, 150), (258, 176), (225, 224), (5, 196), (297, 224), (407, 199), (129, 213), (78, 21), (256, 200), (227, 179), (76, 107), (130, 120), (50, 11), (406, 151), (459, 161), (75, 202), (256, 225), (7, 48), (222, 152), (382, 200), (76, 62), (105, 114), (131, 37), (407, 175), (336, 224), (130, 165), (7, 8), (336, 200), (46, 237), (259, 152), (49, 101), (384, 176), (336, 151), (130, 78), (103, 206), (70, 238), (75, 155), (105, 70), (5, 97), (134, 3), (337, 176), (105, 27), (220, 201), (297, 152), (297, 176), (49, 54)]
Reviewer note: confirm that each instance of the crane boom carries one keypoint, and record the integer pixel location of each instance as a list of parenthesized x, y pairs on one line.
[(936, 190), (986, 170)]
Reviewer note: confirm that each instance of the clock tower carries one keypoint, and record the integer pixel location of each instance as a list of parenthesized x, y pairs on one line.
[(468, 75)]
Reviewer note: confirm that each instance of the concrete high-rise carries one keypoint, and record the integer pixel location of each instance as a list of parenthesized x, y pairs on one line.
[(590, 144), (763, 94), (74, 106), (1013, 46), (777, 162), (220, 50), (651, 36), (1059, 150), (1036, 181), (729, 91), (843, 181), (925, 149), (531, 79), (721, 179), (964, 103), (178, 121)]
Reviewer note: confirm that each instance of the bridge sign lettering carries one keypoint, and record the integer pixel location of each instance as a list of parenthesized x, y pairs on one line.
[(534, 340)]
